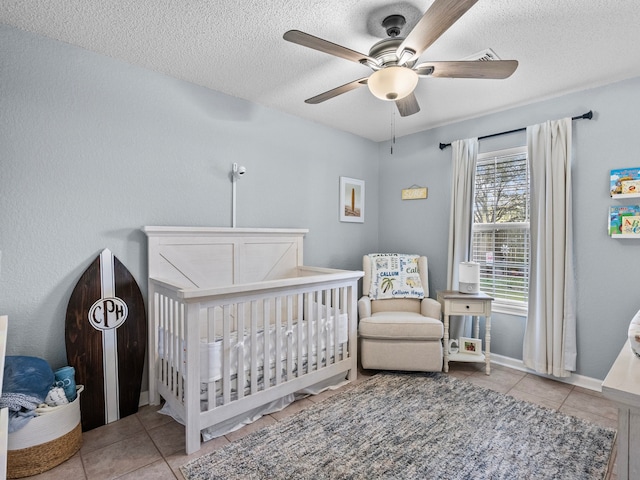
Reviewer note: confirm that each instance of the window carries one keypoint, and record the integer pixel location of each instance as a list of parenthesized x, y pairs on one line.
[(501, 228)]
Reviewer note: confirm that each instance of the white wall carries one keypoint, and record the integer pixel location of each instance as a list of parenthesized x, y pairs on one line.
[(606, 269), (92, 149)]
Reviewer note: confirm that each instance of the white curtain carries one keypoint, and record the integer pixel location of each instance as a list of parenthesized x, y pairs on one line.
[(550, 334), (465, 156)]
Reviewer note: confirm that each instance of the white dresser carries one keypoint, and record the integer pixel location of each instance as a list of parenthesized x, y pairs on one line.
[(622, 385)]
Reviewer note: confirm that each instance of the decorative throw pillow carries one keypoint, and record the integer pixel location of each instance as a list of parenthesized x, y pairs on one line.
[(395, 275)]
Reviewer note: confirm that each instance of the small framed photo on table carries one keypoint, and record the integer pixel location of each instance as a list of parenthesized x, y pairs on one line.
[(471, 346)]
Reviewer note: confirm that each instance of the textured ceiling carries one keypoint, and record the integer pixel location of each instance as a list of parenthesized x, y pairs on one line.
[(236, 47)]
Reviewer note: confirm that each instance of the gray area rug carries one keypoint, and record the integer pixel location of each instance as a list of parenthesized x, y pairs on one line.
[(416, 426)]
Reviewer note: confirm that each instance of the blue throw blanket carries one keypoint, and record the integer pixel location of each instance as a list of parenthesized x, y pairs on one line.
[(26, 383)]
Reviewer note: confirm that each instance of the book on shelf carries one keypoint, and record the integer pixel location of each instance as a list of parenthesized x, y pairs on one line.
[(625, 181), (624, 220), (630, 186), (630, 224)]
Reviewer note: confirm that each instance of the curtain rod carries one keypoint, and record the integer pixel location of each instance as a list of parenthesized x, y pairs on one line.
[(588, 116)]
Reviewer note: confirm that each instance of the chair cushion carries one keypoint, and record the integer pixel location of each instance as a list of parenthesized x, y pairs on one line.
[(401, 326)]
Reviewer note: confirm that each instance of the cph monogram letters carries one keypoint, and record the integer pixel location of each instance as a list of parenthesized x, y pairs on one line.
[(108, 313)]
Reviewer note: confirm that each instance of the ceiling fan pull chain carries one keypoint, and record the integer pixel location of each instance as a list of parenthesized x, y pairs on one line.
[(393, 129)]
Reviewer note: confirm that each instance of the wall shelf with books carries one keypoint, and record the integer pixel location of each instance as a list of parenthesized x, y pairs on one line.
[(624, 221), (625, 183)]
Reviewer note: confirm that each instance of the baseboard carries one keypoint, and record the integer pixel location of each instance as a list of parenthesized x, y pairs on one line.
[(577, 380)]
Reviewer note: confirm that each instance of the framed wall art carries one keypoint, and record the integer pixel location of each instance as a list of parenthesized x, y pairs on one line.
[(351, 200)]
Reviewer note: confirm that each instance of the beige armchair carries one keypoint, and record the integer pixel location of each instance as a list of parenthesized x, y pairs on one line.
[(399, 333)]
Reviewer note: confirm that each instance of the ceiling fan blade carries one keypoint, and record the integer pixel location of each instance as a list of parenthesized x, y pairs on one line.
[(408, 105), (495, 69), (306, 40), (334, 92), (436, 20)]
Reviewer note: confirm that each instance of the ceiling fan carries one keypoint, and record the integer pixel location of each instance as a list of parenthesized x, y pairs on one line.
[(393, 60)]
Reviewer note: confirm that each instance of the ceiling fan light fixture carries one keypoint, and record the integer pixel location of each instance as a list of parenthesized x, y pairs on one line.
[(392, 83)]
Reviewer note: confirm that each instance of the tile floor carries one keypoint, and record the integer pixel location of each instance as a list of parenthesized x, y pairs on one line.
[(151, 446)]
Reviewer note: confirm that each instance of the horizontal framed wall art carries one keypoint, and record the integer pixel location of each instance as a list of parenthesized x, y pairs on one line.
[(351, 201), (414, 192)]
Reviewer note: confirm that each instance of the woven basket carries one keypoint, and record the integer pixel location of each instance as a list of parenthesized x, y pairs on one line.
[(46, 441)]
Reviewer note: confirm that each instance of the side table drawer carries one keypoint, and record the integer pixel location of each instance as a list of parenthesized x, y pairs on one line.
[(458, 307)]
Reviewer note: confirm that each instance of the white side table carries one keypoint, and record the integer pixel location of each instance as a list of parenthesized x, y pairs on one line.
[(622, 385), (475, 305)]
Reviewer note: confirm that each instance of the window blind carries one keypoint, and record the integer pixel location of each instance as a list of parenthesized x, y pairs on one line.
[(501, 241)]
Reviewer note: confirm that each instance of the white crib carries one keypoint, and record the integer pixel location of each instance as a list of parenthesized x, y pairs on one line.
[(236, 322)]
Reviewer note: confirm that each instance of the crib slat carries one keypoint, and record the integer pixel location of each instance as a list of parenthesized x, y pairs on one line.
[(300, 331), (211, 326), (226, 355), (309, 329), (240, 379), (335, 314), (166, 342), (266, 361), (326, 318), (254, 347), (326, 333), (162, 346), (342, 302), (346, 309), (318, 332), (278, 339), (289, 337)]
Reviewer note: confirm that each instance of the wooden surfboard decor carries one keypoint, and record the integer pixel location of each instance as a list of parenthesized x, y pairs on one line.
[(105, 336)]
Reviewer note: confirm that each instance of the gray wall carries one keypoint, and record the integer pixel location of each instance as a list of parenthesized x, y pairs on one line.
[(92, 149), (606, 269)]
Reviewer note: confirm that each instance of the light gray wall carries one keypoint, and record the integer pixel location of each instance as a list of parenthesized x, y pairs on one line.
[(606, 269), (92, 149)]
